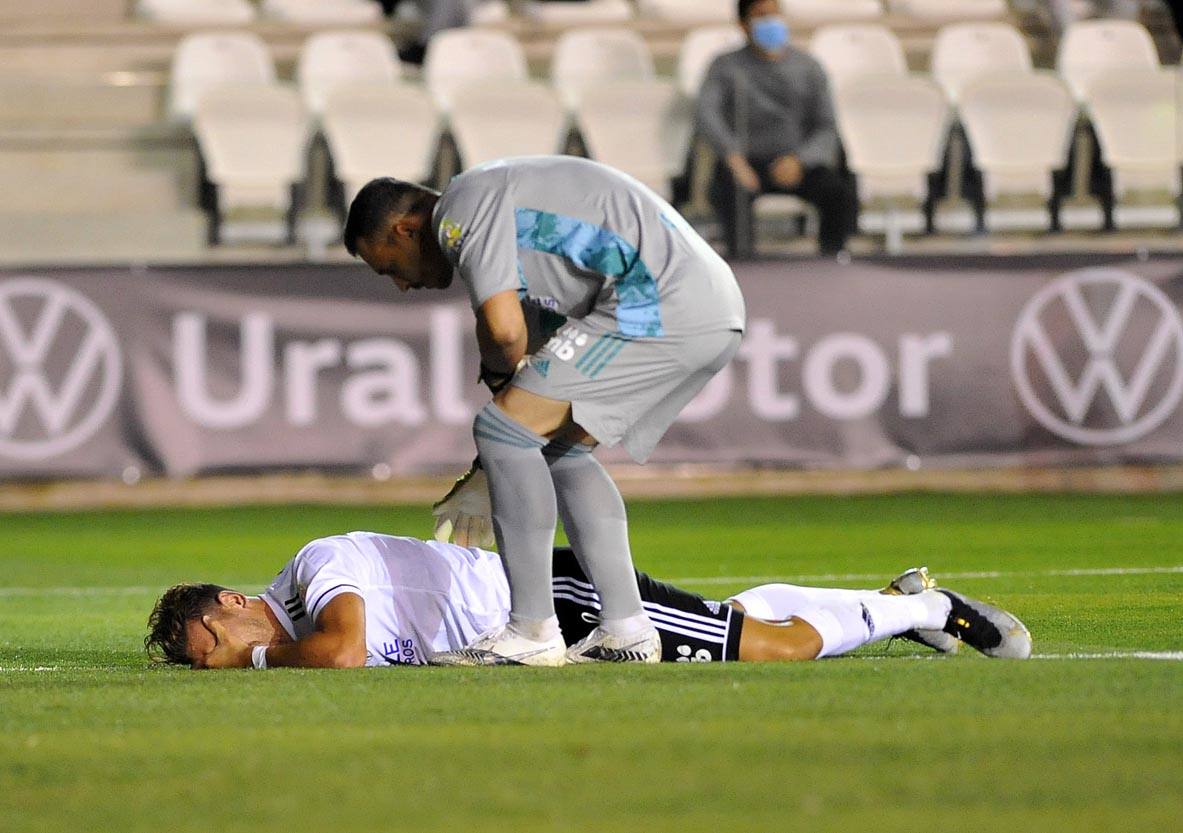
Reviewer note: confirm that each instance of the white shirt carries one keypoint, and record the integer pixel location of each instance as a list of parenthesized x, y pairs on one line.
[(421, 597)]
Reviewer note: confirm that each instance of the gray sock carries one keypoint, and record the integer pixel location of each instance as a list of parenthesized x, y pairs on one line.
[(524, 511), (594, 516)]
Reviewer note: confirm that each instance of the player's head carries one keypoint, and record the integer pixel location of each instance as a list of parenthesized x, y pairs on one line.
[(764, 24), (389, 227), (177, 629)]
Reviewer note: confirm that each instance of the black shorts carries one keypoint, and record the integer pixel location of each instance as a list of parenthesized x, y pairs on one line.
[(692, 629)]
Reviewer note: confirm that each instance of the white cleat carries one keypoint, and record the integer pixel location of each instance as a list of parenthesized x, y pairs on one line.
[(909, 583), (601, 646), (505, 646)]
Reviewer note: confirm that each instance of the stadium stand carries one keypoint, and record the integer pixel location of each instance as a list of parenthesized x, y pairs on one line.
[(206, 61), (964, 52), (893, 130), (1096, 47), (625, 123), (820, 12), (322, 12), (852, 51), (330, 60), (461, 56), (949, 11), (577, 14), (688, 12), (196, 12), (587, 58), (699, 48), (1019, 128), (494, 120)]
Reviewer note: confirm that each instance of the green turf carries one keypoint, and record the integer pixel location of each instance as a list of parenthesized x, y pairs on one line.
[(878, 741)]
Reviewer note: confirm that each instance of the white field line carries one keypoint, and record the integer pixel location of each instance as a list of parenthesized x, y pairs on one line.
[(700, 580), (1160, 656)]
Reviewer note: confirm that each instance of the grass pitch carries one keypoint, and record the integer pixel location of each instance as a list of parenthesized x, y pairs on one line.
[(1087, 737)]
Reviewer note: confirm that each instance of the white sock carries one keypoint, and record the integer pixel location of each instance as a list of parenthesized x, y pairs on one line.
[(627, 627), (540, 630)]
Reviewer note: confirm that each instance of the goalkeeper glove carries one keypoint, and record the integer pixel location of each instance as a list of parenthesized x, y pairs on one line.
[(464, 515)]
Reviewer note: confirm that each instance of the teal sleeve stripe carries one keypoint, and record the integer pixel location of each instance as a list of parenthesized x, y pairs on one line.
[(638, 310)]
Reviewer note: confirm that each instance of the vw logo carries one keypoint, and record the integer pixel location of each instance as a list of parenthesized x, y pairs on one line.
[(1097, 357), (60, 369)]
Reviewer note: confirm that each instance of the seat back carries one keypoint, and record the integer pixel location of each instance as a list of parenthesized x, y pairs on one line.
[(820, 12), (699, 48), (857, 50), (1019, 129), (202, 12), (1092, 48), (493, 121), (585, 58), (963, 52), (626, 124), (385, 130), (893, 130), (1136, 117), (688, 12), (207, 60), (324, 12), (949, 11), (331, 59), (460, 56)]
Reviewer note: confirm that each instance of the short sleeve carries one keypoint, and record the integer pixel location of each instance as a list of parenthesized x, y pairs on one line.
[(475, 225), (324, 570)]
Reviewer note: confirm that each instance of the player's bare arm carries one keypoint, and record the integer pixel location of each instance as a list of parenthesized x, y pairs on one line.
[(501, 332)]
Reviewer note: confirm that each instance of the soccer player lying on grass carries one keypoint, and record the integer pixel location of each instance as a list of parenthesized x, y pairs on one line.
[(371, 599)]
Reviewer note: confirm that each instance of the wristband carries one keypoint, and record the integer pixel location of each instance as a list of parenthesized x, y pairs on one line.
[(259, 656)]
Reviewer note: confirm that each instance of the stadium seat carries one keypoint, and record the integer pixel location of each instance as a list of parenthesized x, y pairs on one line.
[(488, 13), (853, 51), (253, 142), (1018, 128), (688, 12), (893, 130), (322, 12), (492, 121), (577, 13), (963, 52), (208, 60), (586, 58), (949, 11), (196, 12), (460, 56), (332, 59), (821, 12), (1135, 115), (384, 130), (625, 124), (699, 48), (1096, 47)]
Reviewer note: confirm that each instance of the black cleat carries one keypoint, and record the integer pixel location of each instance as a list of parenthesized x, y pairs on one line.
[(987, 628)]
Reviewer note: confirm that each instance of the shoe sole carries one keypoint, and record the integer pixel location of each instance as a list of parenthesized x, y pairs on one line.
[(469, 658)]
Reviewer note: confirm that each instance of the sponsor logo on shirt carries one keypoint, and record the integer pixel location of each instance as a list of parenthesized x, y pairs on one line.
[(453, 235), (400, 652)]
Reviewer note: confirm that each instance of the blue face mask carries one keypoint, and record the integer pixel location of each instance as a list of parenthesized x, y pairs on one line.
[(770, 33)]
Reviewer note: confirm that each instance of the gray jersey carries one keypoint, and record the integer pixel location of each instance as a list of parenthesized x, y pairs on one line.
[(582, 240)]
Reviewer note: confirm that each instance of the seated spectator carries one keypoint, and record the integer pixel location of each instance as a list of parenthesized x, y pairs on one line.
[(766, 110)]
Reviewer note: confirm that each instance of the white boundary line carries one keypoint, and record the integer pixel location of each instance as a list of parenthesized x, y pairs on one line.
[(700, 580)]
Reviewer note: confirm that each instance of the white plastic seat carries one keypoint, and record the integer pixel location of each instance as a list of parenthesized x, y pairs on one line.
[(322, 12), (688, 12), (207, 60), (1096, 47), (949, 11), (1135, 114), (456, 57), (963, 52), (1019, 129), (253, 141), (625, 124), (385, 130), (699, 49), (586, 58), (893, 130), (487, 13), (820, 12), (853, 51), (332, 59), (493, 121), (577, 14), (196, 12)]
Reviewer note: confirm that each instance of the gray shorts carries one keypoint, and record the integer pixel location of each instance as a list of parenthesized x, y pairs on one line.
[(625, 390)]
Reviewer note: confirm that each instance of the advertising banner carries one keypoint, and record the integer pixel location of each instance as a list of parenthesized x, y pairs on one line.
[(968, 361)]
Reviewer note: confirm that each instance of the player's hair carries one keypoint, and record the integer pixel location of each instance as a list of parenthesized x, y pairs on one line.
[(743, 7), (379, 200), (167, 640)]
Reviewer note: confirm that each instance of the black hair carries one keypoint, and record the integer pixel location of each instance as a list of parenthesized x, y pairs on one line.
[(167, 639), (743, 7), (377, 201)]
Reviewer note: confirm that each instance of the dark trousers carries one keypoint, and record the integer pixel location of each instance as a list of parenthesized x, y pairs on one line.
[(824, 188)]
